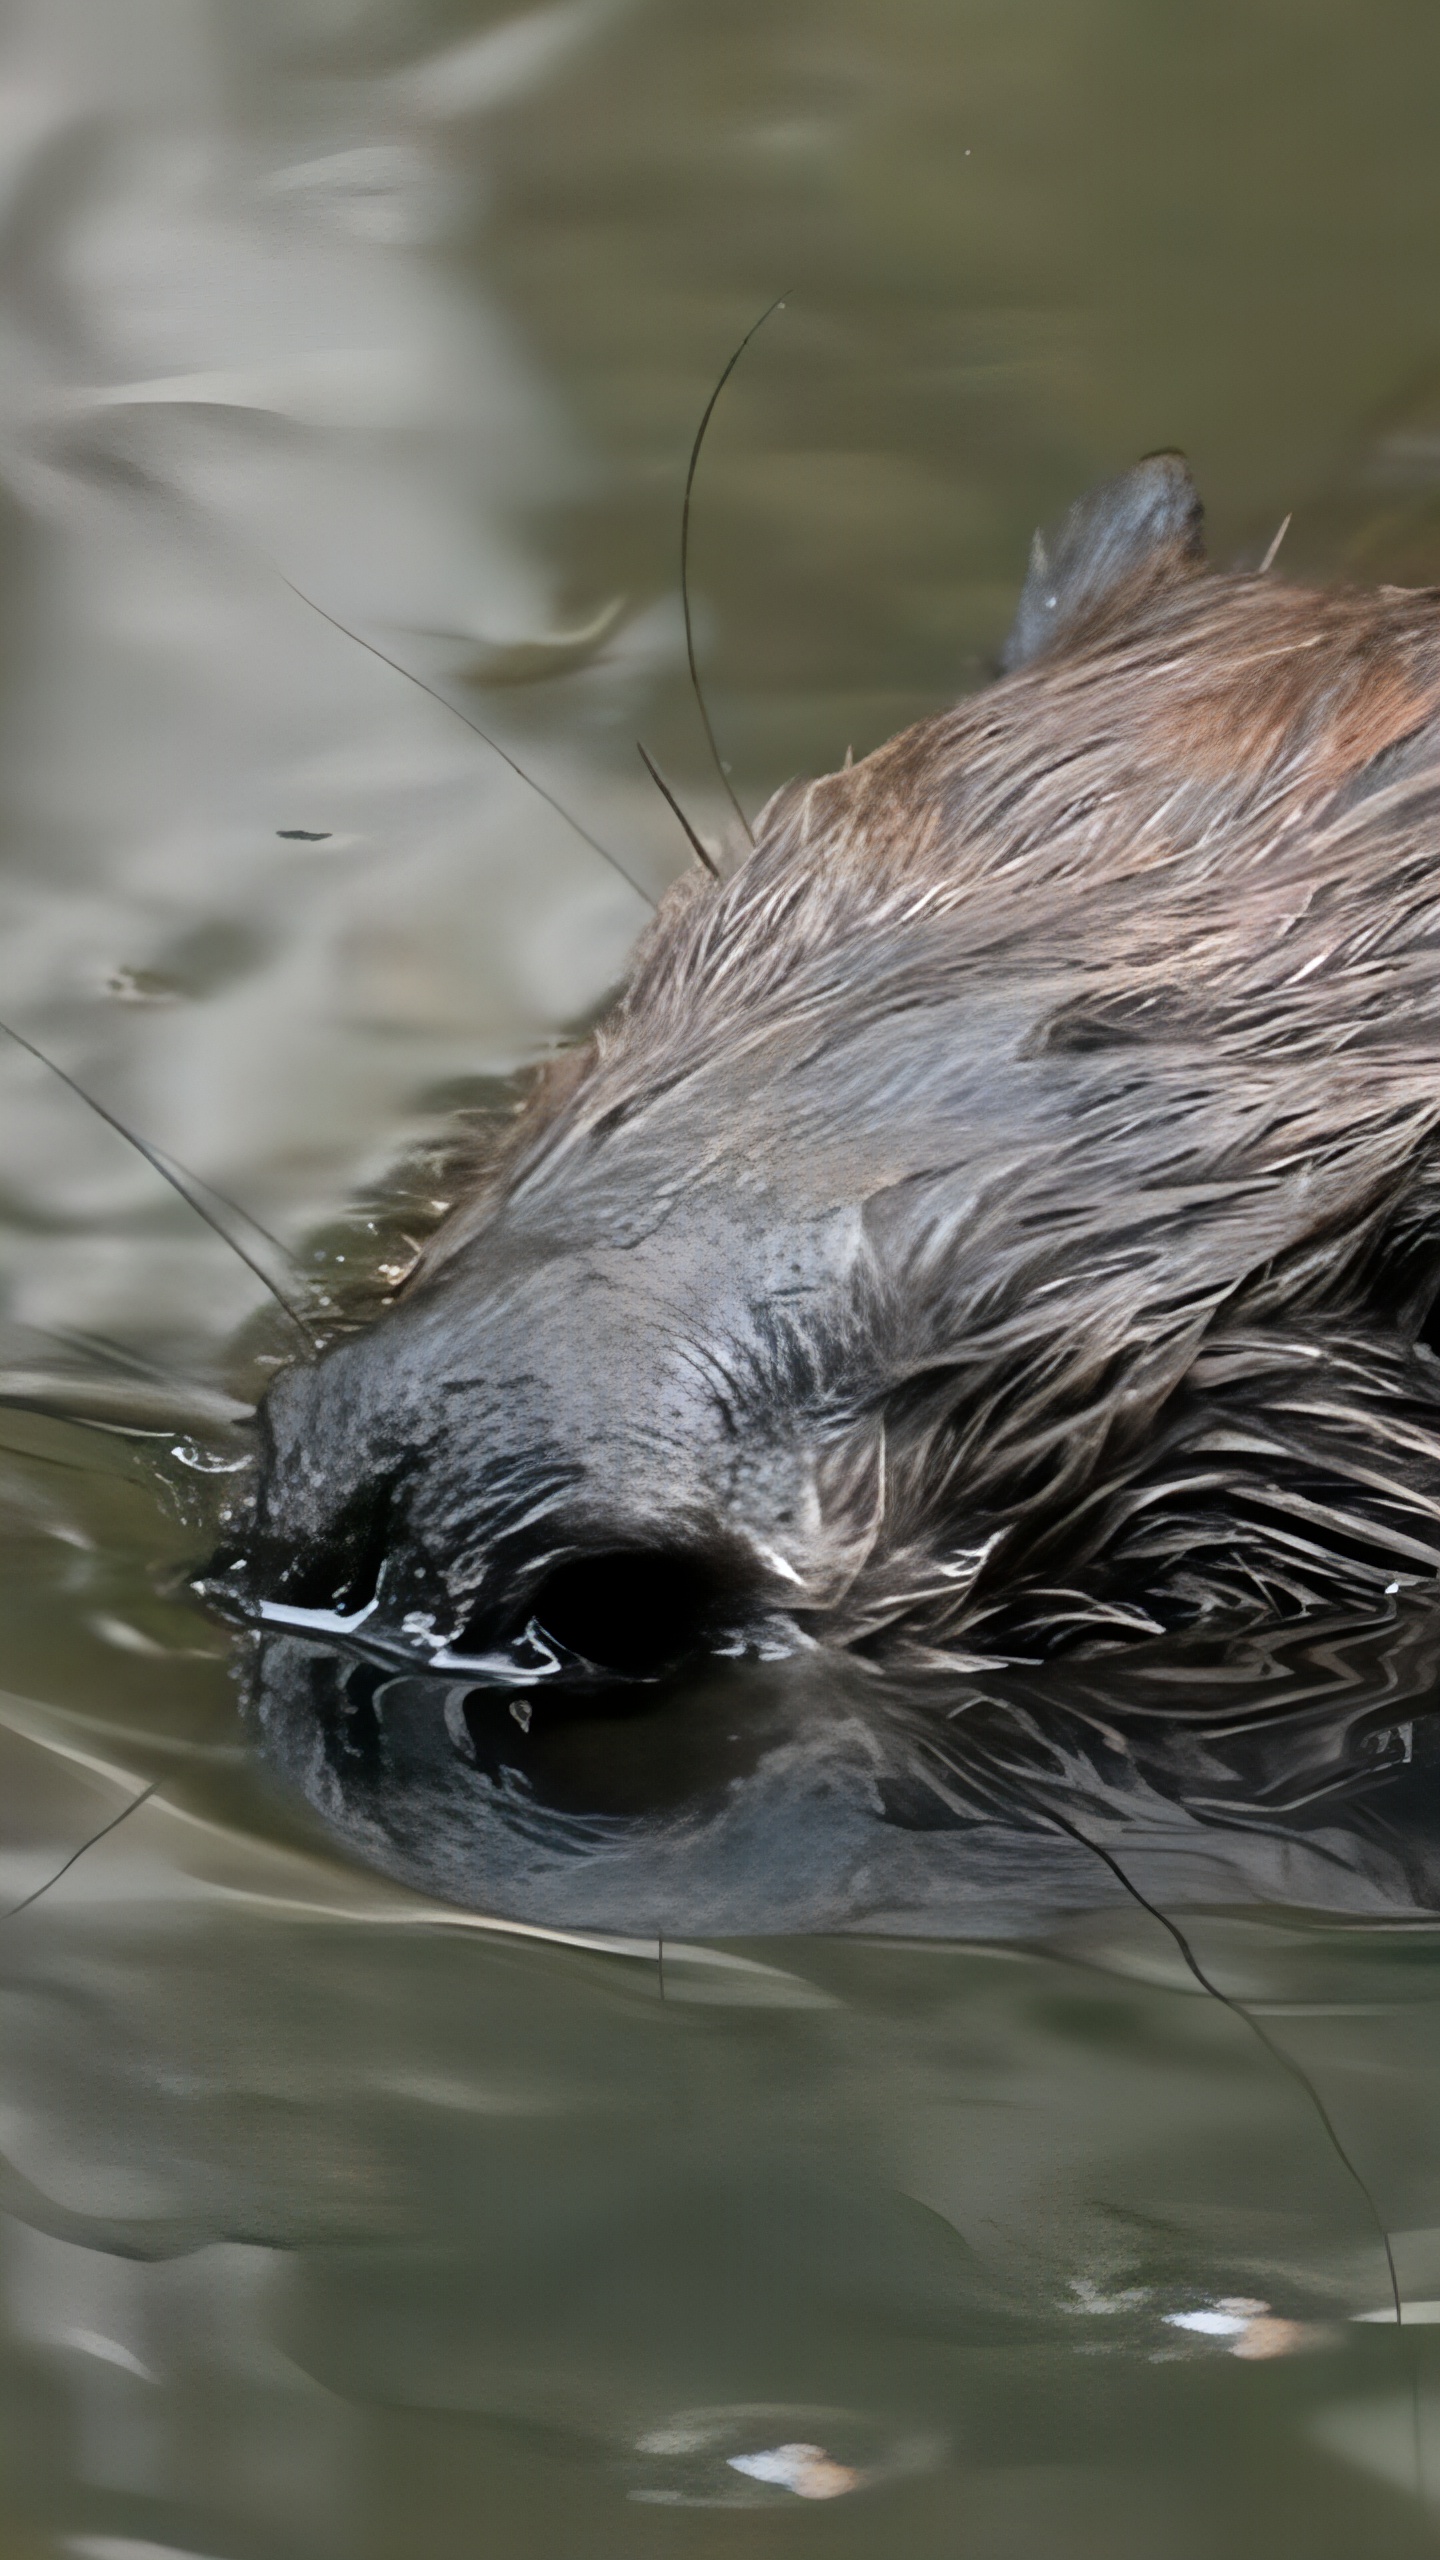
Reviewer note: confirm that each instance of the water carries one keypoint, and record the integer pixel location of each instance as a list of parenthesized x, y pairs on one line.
[(841, 2161)]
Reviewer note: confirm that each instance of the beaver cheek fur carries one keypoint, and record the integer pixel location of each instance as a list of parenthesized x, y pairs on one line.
[(1001, 1217)]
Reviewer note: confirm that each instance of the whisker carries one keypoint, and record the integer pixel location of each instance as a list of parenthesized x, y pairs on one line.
[(668, 796), (77, 1854), (117, 1354), (189, 1187), (47, 1458), (400, 669), (1273, 546), (128, 1405), (777, 305), (1279, 2055), (143, 1397)]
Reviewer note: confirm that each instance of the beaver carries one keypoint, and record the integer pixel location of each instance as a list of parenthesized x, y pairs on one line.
[(1000, 1217)]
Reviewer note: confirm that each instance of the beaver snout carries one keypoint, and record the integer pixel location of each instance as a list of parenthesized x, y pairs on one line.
[(544, 1478)]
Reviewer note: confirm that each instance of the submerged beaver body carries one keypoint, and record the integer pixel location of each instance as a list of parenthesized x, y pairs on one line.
[(1002, 1216)]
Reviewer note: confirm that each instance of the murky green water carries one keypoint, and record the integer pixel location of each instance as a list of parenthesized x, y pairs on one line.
[(337, 2221)]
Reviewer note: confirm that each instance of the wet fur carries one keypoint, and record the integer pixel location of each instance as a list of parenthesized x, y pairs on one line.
[(1025, 1172)]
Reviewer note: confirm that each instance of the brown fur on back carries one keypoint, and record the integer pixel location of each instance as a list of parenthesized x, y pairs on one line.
[(1171, 787)]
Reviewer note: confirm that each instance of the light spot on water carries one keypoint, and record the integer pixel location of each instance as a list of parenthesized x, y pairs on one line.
[(766, 2455), (805, 2468)]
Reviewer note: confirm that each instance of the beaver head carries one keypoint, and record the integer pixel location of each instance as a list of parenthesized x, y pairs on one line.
[(1003, 1214)]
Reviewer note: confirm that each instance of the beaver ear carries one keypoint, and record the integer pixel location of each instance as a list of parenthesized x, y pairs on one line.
[(1145, 528)]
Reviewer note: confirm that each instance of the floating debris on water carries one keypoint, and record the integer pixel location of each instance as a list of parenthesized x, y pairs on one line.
[(1250, 2329), (1242, 2324), (766, 2456), (805, 2468)]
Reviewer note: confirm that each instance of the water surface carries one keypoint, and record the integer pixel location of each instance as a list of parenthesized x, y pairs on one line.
[(999, 2124)]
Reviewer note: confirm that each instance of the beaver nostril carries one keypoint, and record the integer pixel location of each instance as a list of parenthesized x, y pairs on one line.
[(630, 1611), (344, 1574)]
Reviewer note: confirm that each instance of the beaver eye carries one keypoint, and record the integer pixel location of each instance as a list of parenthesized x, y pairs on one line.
[(630, 1612)]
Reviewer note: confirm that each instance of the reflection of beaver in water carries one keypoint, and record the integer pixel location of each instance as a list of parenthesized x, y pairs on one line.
[(1003, 1215)]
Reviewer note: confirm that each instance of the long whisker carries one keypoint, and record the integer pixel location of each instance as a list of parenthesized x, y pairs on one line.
[(117, 1354), (777, 305), (1273, 546), (131, 1407), (189, 1186), (399, 668), (1278, 2054), (668, 796), (46, 1457), (1045, 1811), (1238, 2009), (77, 1854)]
